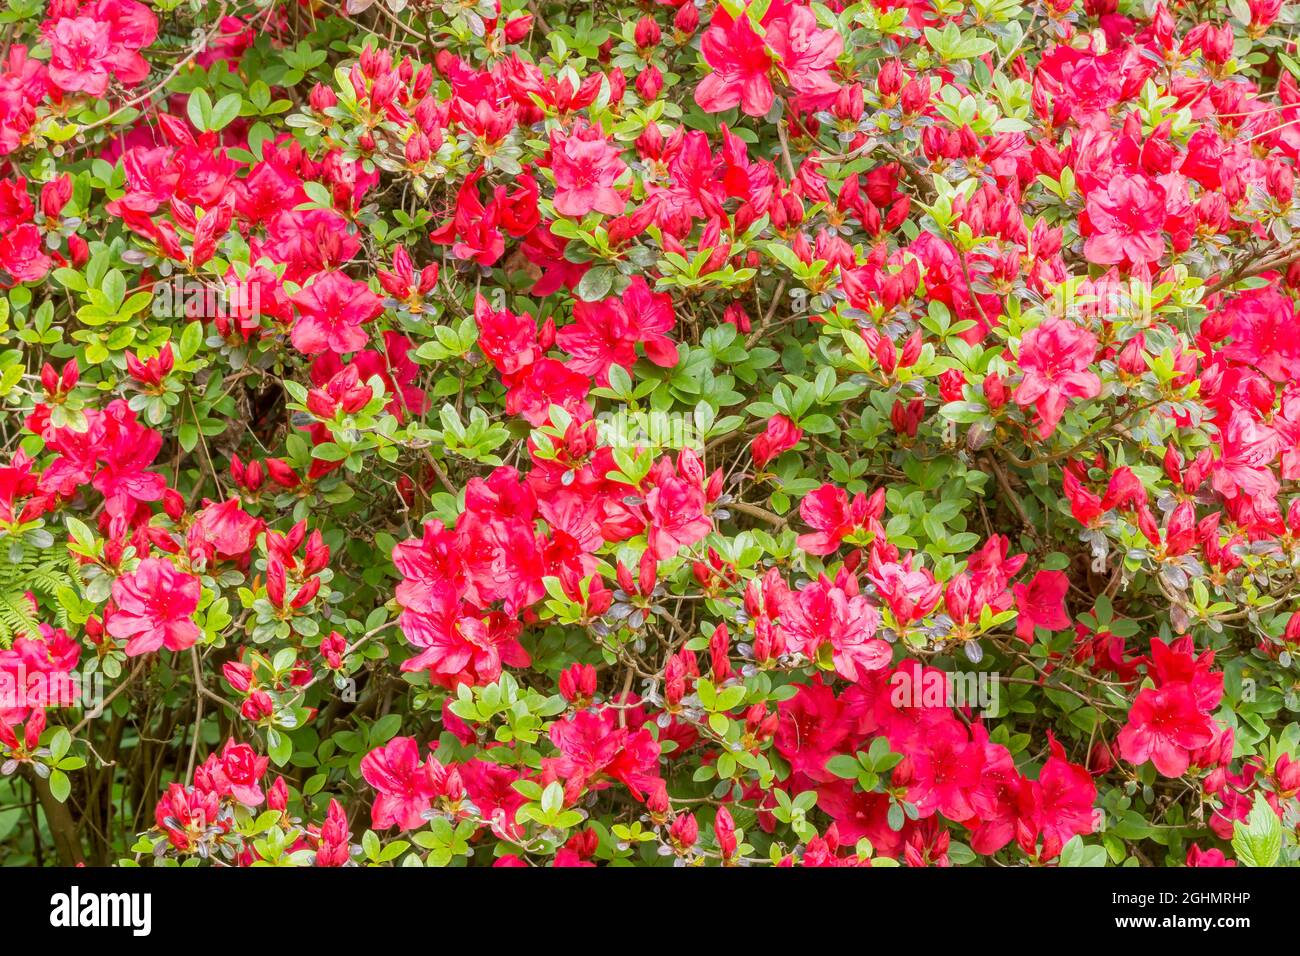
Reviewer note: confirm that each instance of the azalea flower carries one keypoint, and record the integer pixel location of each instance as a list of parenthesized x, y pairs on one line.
[(1165, 726), (780, 436), (1054, 357), (676, 509), (331, 312), (586, 165), (154, 607), (1041, 603), (823, 614), (404, 787), (606, 333), (1125, 219), (593, 746), (744, 63)]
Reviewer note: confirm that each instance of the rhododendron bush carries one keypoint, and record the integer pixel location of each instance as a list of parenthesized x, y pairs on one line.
[(539, 433)]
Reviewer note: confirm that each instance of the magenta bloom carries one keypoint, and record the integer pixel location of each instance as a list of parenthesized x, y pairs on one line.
[(743, 62), (585, 166), (606, 333), (154, 606), (1126, 219), (1055, 357), (677, 518), (404, 784)]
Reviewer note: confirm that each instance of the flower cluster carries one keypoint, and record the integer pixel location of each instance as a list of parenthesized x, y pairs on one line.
[(692, 433)]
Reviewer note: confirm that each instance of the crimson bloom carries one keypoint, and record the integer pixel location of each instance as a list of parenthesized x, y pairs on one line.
[(824, 614), (586, 166), (606, 333), (744, 63), (1165, 726), (677, 519), (1041, 603), (780, 436), (404, 784)]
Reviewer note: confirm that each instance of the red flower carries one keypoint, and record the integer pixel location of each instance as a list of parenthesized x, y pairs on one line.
[(1041, 603), (1165, 726), (945, 773), (829, 510), (331, 312), (1064, 797), (78, 55), (22, 256), (677, 519), (102, 43), (1265, 333), (824, 614), (239, 771), (223, 531), (508, 341), (811, 730), (780, 436), (154, 606), (606, 333), (1198, 857), (1054, 357), (743, 62), (593, 746)]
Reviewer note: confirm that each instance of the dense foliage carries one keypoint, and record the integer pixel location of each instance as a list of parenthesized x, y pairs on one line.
[(563, 433)]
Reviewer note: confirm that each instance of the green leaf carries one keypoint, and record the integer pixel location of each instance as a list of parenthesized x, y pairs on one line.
[(60, 785), (1258, 841)]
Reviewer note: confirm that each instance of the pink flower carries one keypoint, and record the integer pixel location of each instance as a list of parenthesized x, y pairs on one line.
[(331, 312), (1041, 603), (823, 614), (586, 166), (508, 341), (677, 519), (103, 43), (593, 746), (742, 67), (826, 509), (239, 771), (911, 593), (1265, 333), (1125, 220), (743, 62), (154, 606), (1054, 357), (78, 56), (22, 255), (405, 787)]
